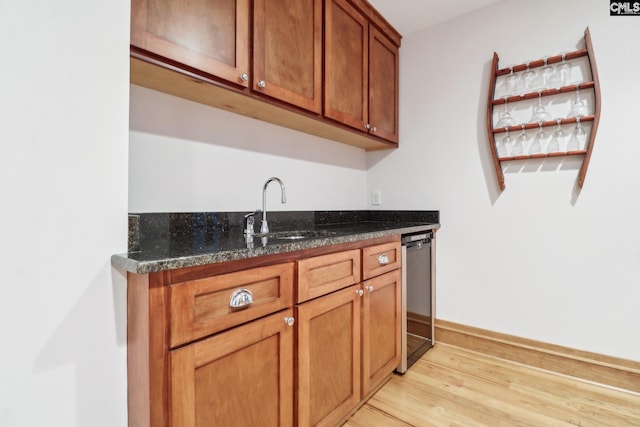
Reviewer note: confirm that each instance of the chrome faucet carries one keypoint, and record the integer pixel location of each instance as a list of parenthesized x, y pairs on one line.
[(264, 227)]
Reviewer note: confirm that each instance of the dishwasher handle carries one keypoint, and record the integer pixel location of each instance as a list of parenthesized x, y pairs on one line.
[(418, 244)]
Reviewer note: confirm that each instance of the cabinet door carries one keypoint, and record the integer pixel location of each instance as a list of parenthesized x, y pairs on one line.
[(346, 64), (380, 329), (208, 36), (383, 86), (242, 377), (328, 381), (287, 51)]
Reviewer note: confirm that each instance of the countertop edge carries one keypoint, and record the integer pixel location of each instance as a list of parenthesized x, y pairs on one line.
[(124, 262)]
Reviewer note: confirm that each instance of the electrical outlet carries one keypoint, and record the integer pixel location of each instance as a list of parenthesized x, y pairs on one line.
[(376, 198)]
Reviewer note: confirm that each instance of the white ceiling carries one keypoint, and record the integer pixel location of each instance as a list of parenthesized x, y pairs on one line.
[(408, 16)]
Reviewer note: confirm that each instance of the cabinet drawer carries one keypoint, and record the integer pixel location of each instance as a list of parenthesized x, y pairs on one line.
[(202, 307), (324, 274), (380, 259)]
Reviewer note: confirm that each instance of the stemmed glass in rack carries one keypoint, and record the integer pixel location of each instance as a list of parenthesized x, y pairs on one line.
[(556, 139), (518, 146), (505, 118), (562, 71), (578, 105), (527, 78), (511, 81), (545, 72), (539, 113), (536, 144), (578, 137), (503, 145)]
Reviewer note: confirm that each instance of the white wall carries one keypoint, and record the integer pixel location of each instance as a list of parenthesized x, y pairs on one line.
[(540, 260), (63, 181), (189, 157)]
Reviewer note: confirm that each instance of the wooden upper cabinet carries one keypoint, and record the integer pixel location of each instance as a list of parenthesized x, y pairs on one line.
[(346, 64), (203, 35), (287, 51), (383, 86), (361, 67), (324, 67)]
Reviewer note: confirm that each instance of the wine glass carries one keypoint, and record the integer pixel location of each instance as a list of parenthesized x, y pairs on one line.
[(578, 137), (545, 74), (505, 118), (503, 145), (562, 71), (527, 78), (536, 144), (510, 82), (556, 139), (578, 105), (518, 146), (539, 113)]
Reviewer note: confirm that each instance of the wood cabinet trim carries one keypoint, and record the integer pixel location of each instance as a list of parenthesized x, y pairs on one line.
[(193, 85), (378, 20), (147, 344), (197, 272)]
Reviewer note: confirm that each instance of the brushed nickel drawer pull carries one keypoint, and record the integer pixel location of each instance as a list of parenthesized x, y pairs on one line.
[(242, 298), (383, 259)]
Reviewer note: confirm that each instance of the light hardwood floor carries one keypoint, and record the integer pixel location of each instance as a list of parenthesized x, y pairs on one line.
[(450, 386)]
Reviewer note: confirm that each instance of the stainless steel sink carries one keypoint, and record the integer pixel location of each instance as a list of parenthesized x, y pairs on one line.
[(299, 234)]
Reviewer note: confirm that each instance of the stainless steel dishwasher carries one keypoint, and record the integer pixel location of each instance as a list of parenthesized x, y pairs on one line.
[(417, 299)]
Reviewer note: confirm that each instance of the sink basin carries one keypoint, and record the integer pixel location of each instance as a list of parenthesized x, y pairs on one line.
[(300, 234)]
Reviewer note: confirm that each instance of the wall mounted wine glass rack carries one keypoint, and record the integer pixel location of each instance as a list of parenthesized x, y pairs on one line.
[(592, 87)]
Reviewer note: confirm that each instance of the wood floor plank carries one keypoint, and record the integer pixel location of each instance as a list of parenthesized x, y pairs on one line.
[(521, 404), (369, 416), (605, 404), (451, 386)]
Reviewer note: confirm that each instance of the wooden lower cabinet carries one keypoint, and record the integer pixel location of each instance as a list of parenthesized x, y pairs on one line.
[(242, 377), (381, 329), (328, 385), (195, 362), (348, 344)]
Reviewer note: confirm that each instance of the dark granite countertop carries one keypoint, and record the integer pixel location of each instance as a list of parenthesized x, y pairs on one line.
[(166, 241)]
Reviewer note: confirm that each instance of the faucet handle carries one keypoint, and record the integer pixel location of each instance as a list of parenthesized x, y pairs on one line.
[(249, 221)]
